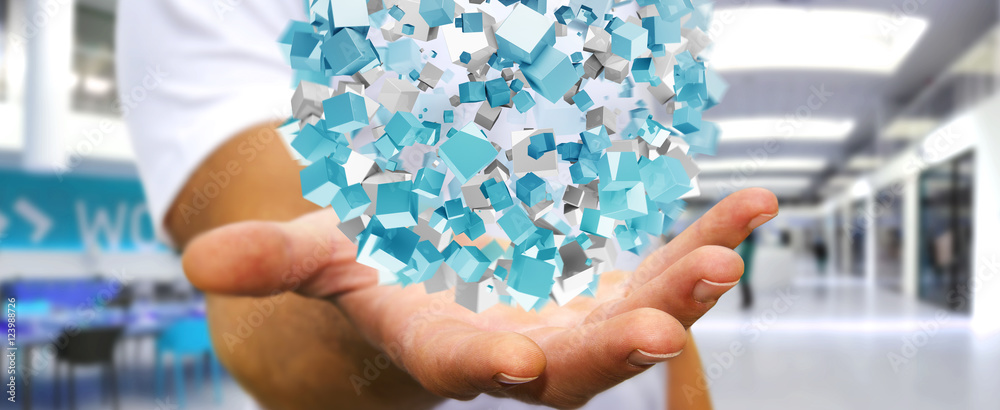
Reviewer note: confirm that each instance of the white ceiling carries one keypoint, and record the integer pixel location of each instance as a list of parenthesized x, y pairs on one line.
[(870, 99)]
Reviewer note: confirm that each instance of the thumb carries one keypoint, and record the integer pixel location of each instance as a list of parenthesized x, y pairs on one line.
[(308, 255)]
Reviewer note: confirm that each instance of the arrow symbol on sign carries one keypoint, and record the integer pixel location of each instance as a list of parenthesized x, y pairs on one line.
[(35, 217)]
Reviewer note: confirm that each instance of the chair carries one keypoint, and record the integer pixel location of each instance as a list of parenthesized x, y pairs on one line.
[(187, 337), (88, 347)]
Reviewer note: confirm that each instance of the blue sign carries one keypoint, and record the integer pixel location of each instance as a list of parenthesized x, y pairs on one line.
[(67, 213)]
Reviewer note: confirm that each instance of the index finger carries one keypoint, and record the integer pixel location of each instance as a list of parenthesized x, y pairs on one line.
[(727, 224)]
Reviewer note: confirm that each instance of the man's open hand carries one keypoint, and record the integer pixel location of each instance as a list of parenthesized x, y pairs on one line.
[(561, 356)]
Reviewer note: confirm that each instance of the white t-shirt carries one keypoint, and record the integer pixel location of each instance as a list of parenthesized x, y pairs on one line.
[(193, 73)]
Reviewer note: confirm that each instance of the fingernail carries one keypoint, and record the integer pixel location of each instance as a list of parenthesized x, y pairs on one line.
[(761, 219), (641, 358), (508, 379), (706, 291)]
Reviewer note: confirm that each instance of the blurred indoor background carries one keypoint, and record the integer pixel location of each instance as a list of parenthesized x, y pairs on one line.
[(876, 123)]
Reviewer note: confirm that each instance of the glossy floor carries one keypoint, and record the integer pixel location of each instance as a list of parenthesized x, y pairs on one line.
[(808, 342)]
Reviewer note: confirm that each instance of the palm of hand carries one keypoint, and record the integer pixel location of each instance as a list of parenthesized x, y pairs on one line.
[(561, 356)]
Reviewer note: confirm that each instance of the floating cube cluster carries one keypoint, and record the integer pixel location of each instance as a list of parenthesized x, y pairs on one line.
[(418, 121)]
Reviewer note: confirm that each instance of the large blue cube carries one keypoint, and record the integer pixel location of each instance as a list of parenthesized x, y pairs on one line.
[(346, 52), (428, 182), (664, 179), (437, 12), (629, 41), (516, 224), (524, 35), (467, 152), (349, 13), (552, 74), (404, 128), (532, 276)]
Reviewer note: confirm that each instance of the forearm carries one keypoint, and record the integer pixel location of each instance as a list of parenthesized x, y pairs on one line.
[(288, 351), (686, 384)]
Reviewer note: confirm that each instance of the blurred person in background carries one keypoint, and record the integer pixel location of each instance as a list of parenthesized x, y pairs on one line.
[(819, 252), (746, 251), (223, 188)]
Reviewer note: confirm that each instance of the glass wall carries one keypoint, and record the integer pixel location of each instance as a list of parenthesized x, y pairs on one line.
[(946, 233), (889, 240), (93, 62)]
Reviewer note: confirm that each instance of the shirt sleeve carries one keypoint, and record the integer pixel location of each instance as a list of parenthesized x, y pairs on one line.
[(192, 74)]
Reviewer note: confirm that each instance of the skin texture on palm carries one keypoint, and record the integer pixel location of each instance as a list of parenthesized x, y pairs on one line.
[(561, 356)]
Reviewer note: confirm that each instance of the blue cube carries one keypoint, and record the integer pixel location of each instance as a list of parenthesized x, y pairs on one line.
[(321, 180), (350, 202), (346, 52), (539, 144), (348, 13), (564, 15), (530, 189), (472, 22), (498, 194), (437, 12), (552, 74), (497, 92), (594, 223), (396, 205), (523, 101), (425, 262), (532, 276), (644, 71), (687, 120), (472, 91), (467, 152), (629, 41), (661, 31), (516, 224), (314, 143), (404, 128), (524, 35), (469, 263), (664, 179), (596, 139), (583, 101), (428, 183), (345, 113)]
